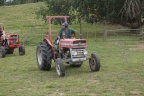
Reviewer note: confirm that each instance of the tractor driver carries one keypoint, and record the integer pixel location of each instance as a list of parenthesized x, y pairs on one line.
[(67, 32)]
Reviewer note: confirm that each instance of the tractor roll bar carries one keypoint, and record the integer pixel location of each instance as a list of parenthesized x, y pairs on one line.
[(49, 18)]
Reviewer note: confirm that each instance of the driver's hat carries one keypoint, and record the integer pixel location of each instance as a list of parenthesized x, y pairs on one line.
[(65, 24)]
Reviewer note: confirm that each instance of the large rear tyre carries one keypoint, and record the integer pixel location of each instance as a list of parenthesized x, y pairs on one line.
[(21, 50), (10, 51), (60, 68), (94, 63), (43, 56), (2, 52)]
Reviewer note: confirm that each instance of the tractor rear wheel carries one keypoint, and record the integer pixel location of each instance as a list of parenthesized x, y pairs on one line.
[(21, 50), (10, 51), (60, 68), (43, 56), (94, 62), (2, 52)]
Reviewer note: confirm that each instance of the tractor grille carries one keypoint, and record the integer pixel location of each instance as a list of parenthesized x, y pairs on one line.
[(80, 53), (14, 39), (14, 42)]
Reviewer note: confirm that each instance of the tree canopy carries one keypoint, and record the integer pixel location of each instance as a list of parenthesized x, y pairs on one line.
[(126, 12)]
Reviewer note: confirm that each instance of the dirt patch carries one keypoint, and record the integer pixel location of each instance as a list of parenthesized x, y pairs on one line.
[(138, 47)]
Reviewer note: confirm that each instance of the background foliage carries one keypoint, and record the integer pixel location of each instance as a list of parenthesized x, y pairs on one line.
[(128, 13)]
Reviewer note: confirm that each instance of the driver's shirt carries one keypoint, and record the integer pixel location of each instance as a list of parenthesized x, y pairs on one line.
[(68, 33)]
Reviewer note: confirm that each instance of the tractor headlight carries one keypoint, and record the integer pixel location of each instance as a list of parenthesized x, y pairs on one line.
[(85, 52), (74, 53)]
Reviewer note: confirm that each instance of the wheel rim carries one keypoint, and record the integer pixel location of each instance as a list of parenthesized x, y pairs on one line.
[(58, 70), (39, 56), (92, 63)]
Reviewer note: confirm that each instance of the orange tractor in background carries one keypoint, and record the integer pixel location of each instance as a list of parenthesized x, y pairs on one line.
[(71, 51), (8, 42)]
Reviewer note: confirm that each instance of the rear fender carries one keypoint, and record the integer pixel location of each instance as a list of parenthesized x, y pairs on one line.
[(48, 41)]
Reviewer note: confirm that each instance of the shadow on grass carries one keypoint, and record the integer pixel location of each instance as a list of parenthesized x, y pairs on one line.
[(69, 71)]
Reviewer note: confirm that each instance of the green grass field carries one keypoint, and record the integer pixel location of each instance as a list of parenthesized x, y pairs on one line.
[(122, 63)]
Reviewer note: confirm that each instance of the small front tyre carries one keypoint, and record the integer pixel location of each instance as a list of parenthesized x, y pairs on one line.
[(94, 63), (60, 68), (21, 50), (2, 52)]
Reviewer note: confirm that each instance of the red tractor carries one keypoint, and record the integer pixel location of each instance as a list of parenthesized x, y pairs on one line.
[(70, 51), (8, 42)]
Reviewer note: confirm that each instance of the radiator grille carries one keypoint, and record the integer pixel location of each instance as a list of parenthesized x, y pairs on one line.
[(14, 39), (80, 53)]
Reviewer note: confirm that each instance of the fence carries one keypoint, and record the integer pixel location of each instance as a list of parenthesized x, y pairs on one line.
[(35, 34), (123, 34)]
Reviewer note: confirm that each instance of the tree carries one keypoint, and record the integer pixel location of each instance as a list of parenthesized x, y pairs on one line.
[(2, 2), (15, 2), (126, 12), (132, 13), (56, 7)]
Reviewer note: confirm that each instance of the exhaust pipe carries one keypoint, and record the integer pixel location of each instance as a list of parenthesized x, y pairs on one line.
[(80, 27)]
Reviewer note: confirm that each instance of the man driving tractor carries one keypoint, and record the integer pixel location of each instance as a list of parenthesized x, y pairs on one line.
[(70, 51), (67, 32)]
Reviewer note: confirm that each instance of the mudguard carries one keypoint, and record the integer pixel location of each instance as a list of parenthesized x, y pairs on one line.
[(48, 41)]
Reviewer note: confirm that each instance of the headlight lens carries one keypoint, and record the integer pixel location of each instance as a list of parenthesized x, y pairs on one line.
[(74, 53), (85, 52)]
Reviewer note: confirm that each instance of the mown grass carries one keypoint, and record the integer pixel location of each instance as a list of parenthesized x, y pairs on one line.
[(20, 15), (121, 72)]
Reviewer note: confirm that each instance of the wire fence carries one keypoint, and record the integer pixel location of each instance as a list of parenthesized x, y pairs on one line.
[(35, 34), (123, 34)]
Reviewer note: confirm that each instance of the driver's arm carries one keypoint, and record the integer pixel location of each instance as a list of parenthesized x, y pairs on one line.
[(74, 35), (58, 37), (59, 34)]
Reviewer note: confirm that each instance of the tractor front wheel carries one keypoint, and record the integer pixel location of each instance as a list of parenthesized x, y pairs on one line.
[(43, 56), (21, 50), (60, 68), (94, 63), (2, 52)]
